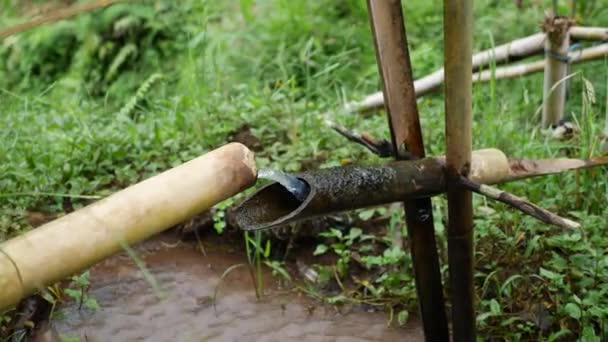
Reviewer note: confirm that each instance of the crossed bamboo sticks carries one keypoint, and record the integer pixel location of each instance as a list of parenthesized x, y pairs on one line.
[(399, 99)]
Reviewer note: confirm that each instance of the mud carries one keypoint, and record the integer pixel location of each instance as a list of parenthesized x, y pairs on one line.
[(184, 308)]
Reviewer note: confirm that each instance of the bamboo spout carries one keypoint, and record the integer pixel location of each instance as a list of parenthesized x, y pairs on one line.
[(78, 240)]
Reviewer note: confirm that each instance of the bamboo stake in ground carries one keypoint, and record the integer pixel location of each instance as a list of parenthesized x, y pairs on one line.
[(556, 68), (394, 64), (458, 42), (78, 240)]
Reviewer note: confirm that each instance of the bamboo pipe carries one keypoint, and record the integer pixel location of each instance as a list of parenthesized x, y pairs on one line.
[(458, 42), (392, 55), (355, 186), (78, 240), (556, 68)]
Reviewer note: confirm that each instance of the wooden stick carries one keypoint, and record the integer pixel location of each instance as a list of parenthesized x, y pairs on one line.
[(556, 68), (78, 240), (519, 204), (458, 42), (392, 55), (57, 15)]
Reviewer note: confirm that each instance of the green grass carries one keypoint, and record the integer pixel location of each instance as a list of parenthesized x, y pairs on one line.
[(83, 114)]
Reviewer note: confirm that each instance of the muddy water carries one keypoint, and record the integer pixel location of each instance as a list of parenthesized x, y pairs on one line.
[(183, 309)]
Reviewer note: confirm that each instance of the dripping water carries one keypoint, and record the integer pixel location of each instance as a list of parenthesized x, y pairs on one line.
[(297, 187)]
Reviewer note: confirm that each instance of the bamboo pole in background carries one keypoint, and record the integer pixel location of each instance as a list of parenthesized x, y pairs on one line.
[(458, 42), (78, 240), (556, 68), (395, 68), (56, 15), (512, 51)]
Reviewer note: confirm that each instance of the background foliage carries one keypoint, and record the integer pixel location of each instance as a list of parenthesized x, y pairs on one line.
[(92, 104)]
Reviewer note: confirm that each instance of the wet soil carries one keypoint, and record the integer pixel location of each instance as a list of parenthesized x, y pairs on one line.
[(184, 308)]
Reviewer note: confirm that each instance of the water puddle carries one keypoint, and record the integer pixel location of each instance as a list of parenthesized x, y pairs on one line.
[(131, 309)]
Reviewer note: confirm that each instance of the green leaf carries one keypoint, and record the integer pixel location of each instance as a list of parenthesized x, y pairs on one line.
[(573, 310), (494, 307), (354, 233), (91, 303), (550, 275), (366, 214), (556, 336), (74, 294), (589, 335), (402, 317), (321, 249)]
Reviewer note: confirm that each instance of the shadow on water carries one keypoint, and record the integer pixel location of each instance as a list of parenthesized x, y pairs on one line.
[(132, 311)]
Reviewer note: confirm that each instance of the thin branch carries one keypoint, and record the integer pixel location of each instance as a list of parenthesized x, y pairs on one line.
[(519, 204), (380, 147), (57, 15)]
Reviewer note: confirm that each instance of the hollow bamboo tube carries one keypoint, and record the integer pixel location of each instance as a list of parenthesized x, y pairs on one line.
[(556, 69), (458, 42), (359, 186), (78, 240), (394, 65)]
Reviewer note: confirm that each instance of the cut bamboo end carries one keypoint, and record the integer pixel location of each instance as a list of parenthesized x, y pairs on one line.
[(78, 240)]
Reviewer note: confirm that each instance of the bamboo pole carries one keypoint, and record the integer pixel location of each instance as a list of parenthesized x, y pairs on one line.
[(78, 240), (458, 41), (510, 51), (57, 15), (513, 71), (556, 68), (515, 50), (392, 55), (589, 33), (426, 85)]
